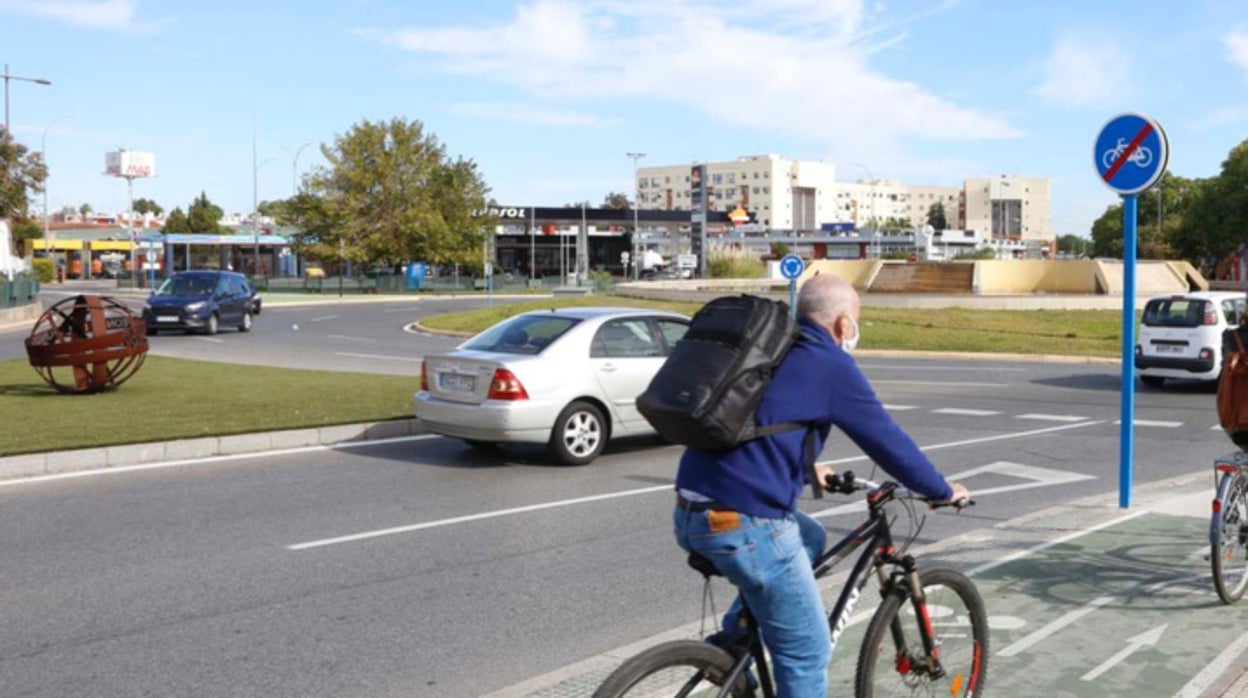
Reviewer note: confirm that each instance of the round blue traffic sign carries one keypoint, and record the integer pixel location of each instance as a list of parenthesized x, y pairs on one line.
[(1131, 153), (792, 266)]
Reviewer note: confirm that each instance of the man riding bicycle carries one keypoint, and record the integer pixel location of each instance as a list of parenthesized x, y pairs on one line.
[(738, 507)]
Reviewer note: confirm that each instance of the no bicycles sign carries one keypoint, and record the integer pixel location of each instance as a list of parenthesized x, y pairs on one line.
[(1130, 154)]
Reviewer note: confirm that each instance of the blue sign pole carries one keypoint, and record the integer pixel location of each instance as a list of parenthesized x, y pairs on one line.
[(793, 298), (1126, 456)]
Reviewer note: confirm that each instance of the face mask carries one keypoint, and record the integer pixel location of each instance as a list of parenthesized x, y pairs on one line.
[(850, 344)]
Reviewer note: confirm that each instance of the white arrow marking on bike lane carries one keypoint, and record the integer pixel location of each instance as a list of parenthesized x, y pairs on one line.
[(1070, 618), (1144, 639)]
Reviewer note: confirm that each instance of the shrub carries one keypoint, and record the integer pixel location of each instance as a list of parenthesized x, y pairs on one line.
[(603, 281), (45, 269), (728, 262)]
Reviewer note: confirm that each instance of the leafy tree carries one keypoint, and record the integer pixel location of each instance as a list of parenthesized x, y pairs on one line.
[(583, 203), (145, 206), (22, 173), (277, 210), (1071, 244), (23, 231), (389, 194), (617, 201), (85, 210), (203, 216), (176, 222), (936, 216)]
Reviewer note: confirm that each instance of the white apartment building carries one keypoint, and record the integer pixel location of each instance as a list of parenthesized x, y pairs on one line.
[(782, 194), (788, 194), (1009, 206)]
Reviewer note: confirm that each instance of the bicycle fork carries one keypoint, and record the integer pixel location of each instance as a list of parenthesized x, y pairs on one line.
[(906, 583)]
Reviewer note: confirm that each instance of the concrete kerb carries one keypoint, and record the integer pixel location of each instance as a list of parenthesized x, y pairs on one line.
[(102, 458)]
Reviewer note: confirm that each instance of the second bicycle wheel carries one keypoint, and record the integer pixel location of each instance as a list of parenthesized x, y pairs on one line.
[(893, 661), (677, 668), (1228, 538)]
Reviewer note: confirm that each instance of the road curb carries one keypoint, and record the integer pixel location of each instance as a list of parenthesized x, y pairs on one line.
[(106, 457)]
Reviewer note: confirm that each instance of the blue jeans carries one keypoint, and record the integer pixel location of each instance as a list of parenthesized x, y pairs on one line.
[(769, 562)]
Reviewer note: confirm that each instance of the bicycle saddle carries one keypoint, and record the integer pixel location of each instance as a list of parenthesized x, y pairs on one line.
[(703, 564)]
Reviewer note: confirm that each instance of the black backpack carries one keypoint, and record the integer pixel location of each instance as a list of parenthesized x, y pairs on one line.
[(706, 394)]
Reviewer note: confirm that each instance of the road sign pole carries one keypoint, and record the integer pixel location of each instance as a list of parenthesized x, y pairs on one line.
[(1126, 460), (793, 298)]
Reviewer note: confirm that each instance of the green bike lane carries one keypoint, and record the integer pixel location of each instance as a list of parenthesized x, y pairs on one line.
[(1083, 599)]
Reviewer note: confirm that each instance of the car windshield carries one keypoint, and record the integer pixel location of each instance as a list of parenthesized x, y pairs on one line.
[(187, 286), (1174, 312), (524, 334)]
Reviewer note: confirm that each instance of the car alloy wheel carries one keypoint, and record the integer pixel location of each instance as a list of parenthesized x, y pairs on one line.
[(213, 324), (245, 326), (579, 435)]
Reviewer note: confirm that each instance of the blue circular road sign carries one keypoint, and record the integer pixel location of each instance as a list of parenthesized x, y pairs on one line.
[(1131, 153), (792, 266)]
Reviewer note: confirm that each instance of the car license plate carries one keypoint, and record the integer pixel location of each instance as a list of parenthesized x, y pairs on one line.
[(166, 318), (1169, 349), (460, 382)]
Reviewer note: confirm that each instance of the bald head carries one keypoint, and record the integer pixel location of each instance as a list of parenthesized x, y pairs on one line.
[(826, 297)]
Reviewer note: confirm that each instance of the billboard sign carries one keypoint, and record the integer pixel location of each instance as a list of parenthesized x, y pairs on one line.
[(130, 163)]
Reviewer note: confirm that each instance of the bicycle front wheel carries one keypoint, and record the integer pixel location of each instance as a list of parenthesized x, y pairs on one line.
[(678, 668), (1228, 538), (893, 660)]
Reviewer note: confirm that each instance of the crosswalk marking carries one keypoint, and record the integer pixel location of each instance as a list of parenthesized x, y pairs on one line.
[(966, 412), (1052, 417)]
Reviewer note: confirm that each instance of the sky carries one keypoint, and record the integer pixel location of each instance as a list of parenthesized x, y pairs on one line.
[(548, 96)]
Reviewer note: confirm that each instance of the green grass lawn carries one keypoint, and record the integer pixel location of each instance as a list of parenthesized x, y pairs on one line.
[(1059, 332), (174, 398)]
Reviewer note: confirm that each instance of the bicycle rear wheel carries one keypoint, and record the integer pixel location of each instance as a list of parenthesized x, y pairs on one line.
[(677, 668), (1228, 537), (893, 662)]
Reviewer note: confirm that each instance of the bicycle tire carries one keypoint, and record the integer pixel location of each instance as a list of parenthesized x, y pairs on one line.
[(954, 606), (1228, 544), (663, 669)]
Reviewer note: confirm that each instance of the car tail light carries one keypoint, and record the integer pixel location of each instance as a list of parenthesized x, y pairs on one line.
[(424, 377), (1206, 353), (505, 386), (1211, 315)]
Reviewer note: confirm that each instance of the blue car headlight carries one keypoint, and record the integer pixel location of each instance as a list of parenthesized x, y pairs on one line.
[(195, 307)]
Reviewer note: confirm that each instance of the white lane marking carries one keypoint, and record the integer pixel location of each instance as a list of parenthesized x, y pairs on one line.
[(1052, 417), (474, 517), (1052, 627), (1152, 423), (399, 310), (34, 479), (946, 383), (214, 340), (1214, 670), (1040, 477), (382, 357), (1056, 541), (966, 412), (900, 408), (351, 339), (561, 503), (322, 318), (1134, 644)]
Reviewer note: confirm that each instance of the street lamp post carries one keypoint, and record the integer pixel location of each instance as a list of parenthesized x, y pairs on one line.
[(43, 149), (636, 205), (7, 77), (294, 168)]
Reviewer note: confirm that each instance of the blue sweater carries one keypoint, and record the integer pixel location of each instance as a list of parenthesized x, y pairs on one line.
[(816, 382)]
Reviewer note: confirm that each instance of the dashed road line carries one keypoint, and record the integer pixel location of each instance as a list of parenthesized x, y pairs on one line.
[(352, 339), (965, 412), (323, 318), (900, 408), (1152, 423), (1052, 417), (382, 357)]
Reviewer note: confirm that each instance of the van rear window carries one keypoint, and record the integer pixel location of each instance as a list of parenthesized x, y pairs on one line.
[(1174, 312)]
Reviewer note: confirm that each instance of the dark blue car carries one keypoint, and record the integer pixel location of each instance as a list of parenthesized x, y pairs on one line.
[(202, 301)]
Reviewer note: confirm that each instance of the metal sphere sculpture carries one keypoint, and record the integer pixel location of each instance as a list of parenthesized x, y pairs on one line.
[(98, 338)]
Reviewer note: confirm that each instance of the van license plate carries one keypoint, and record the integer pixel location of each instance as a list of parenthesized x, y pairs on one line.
[(456, 381), (166, 318), (1169, 349)]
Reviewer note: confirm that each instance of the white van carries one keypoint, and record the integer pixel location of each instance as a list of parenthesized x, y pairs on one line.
[(1181, 335)]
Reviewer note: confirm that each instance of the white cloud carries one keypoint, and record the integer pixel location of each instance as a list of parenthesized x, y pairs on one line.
[(98, 14), (1236, 43), (1085, 70), (528, 114), (798, 67)]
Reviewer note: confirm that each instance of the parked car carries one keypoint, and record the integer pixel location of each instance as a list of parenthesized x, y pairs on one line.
[(567, 377), (1181, 335), (201, 301)]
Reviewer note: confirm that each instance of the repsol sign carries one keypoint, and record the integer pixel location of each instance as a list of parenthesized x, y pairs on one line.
[(504, 212)]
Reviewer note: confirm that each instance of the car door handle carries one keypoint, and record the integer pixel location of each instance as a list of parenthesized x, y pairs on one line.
[(607, 368)]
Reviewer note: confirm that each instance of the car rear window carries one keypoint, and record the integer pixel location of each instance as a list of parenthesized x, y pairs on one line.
[(1174, 312), (524, 334)]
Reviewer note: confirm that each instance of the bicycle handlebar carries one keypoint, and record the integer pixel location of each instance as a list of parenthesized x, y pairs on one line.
[(848, 483)]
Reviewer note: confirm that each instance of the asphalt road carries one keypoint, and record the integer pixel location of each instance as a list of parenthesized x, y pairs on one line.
[(423, 568)]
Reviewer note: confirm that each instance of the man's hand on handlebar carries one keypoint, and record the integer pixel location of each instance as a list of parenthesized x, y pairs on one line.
[(823, 471), (961, 497)]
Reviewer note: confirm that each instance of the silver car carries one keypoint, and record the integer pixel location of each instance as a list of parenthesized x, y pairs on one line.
[(566, 377)]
